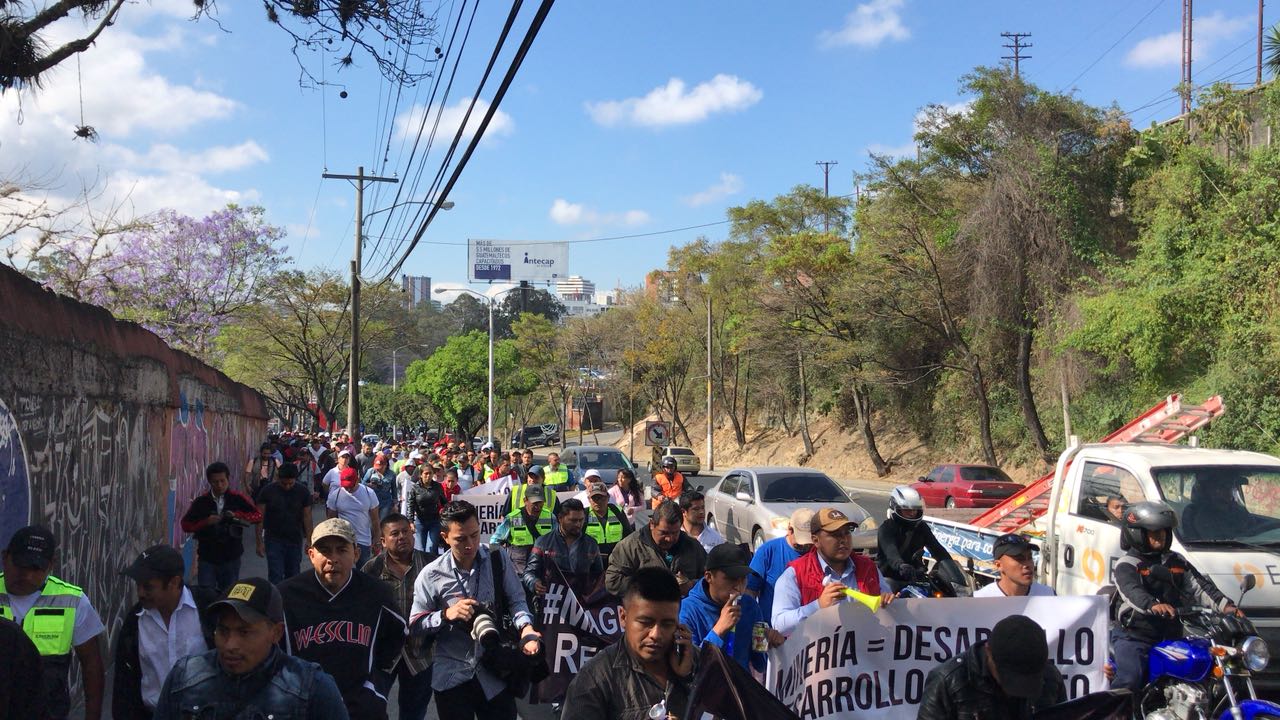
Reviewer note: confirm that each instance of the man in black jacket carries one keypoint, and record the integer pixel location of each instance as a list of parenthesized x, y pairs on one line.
[(218, 519), (426, 497), (166, 625), (1007, 677), (903, 538), (20, 671), (344, 620)]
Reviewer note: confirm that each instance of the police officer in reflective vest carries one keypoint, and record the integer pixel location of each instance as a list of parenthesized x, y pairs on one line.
[(606, 523), (525, 524), (533, 476), (56, 616), (557, 476)]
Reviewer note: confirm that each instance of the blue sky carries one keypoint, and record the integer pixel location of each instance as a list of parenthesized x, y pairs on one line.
[(626, 118)]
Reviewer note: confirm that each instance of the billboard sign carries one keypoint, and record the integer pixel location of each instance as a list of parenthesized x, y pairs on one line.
[(506, 261)]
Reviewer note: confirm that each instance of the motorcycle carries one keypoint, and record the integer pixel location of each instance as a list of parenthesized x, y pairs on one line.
[(944, 580), (1204, 674)]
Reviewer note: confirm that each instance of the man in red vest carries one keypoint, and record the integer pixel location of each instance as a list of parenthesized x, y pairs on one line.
[(819, 578)]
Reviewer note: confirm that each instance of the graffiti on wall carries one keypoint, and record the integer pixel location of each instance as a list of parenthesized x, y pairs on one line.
[(199, 438), (93, 481), (15, 490)]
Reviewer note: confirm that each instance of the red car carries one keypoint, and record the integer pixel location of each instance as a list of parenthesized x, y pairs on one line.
[(965, 486)]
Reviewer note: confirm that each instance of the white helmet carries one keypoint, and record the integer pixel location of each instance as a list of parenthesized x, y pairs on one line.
[(905, 497)]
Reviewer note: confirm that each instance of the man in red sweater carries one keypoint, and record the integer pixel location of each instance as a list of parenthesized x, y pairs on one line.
[(218, 519)]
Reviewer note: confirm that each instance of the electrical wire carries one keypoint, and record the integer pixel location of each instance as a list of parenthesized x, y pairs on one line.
[(1113, 45)]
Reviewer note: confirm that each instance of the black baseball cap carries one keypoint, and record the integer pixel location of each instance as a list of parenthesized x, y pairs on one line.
[(1020, 652), (535, 493), (731, 559), (157, 561), (253, 599), (1010, 544), (32, 547)]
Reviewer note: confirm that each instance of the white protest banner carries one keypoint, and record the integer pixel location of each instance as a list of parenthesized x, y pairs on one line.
[(845, 661), (489, 508)]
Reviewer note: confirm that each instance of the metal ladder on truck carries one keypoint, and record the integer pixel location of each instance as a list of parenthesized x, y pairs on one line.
[(1167, 422)]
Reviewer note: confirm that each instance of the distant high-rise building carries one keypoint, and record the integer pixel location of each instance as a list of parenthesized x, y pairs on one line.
[(575, 288), (417, 289)]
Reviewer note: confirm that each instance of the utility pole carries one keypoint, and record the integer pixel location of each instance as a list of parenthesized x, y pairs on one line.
[(1258, 80), (826, 189), (1017, 46), (353, 374), (711, 455), (1184, 88)]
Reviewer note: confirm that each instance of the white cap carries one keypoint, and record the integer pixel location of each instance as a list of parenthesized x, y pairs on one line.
[(592, 473), (801, 526)]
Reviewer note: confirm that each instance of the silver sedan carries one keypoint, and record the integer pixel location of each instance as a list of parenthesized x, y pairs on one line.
[(752, 505)]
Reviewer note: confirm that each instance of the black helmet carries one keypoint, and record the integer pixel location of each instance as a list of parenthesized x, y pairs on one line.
[(668, 462), (1139, 518)]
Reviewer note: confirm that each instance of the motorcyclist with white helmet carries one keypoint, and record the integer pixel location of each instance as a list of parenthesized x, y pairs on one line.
[(904, 537)]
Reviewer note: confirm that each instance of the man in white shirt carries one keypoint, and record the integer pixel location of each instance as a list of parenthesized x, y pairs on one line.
[(1017, 567), (331, 478), (357, 504), (161, 629), (694, 504)]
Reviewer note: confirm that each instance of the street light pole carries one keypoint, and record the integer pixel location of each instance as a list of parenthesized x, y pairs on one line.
[(491, 301)]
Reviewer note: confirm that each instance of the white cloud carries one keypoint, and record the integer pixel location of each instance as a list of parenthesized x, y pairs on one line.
[(168, 158), (870, 24), (908, 149), (408, 122), (675, 104), (728, 185), (144, 159), (564, 212), (1166, 50)]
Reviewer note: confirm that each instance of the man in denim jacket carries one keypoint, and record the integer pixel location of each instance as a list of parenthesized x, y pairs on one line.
[(247, 675)]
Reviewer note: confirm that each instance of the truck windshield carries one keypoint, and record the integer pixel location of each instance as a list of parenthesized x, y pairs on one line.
[(1223, 502)]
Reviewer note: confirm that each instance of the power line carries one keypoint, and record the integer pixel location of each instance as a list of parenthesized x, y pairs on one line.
[(1113, 45)]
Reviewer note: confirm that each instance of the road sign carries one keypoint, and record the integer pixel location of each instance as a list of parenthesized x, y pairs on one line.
[(657, 432), (501, 260)]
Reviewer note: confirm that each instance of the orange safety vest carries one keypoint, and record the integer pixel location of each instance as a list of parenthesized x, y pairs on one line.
[(668, 489)]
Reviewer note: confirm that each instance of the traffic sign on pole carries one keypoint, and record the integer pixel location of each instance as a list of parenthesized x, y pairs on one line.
[(657, 432)]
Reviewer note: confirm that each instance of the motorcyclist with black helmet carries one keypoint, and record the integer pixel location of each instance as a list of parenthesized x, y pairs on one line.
[(1151, 582), (904, 537)]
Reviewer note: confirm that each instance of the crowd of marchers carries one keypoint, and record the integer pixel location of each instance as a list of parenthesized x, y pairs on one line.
[(399, 592)]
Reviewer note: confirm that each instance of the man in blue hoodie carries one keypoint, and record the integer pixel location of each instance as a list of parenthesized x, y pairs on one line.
[(719, 612)]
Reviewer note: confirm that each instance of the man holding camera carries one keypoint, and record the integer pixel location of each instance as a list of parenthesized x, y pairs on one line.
[(459, 600), (218, 519), (344, 620)]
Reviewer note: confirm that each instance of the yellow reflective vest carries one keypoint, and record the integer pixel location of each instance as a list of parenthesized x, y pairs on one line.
[(521, 536), (50, 624), (604, 530), (555, 479)]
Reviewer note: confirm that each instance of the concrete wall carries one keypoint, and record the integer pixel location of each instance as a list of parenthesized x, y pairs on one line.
[(104, 434)]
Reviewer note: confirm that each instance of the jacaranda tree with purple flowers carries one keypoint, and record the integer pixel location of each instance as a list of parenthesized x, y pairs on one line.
[(180, 277)]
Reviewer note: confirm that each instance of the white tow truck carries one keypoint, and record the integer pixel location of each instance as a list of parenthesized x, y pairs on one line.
[(1227, 502)]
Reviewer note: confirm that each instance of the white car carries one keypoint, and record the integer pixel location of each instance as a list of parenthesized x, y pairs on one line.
[(754, 504)]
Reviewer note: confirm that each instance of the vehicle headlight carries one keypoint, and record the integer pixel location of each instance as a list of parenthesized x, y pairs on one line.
[(1256, 653), (780, 523), (868, 524)]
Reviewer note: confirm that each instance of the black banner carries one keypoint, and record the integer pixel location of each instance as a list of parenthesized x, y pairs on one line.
[(573, 630), (723, 690)]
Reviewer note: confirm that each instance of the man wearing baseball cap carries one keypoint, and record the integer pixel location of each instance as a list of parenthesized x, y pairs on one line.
[(163, 627), (773, 557), (718, 611), (819, 578), (607, 523), (1017, 567), (345, 620), (523, 525), (1006, 676), (246, 674), (57, 617)]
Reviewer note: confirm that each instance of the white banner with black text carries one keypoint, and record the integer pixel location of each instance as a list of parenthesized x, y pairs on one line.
[(845, 661)]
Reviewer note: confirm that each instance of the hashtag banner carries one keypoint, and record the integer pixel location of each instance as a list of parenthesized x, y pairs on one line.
[(575, 626)]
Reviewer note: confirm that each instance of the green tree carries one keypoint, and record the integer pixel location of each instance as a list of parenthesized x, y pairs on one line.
[(455, 379)]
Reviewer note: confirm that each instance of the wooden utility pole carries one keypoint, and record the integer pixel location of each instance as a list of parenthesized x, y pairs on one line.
[(826, 188), (1017, 46), (1261, 30), (1185, 86), (353, 369)]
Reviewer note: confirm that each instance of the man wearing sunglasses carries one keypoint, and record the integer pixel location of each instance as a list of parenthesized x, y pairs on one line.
[(1017, 568)]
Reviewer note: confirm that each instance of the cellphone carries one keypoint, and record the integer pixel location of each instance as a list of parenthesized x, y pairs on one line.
[(737, 600)]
